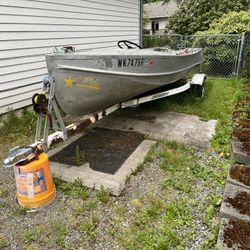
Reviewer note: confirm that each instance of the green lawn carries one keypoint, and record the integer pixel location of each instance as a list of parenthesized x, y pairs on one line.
[(218, 100)]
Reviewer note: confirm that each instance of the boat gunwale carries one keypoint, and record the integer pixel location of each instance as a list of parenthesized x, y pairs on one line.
[(158, 55), (119, 73)]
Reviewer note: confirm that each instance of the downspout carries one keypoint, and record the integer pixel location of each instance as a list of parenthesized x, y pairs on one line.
[(141, 23)]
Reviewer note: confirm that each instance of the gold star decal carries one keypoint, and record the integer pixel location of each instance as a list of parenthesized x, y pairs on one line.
[(69, 81)]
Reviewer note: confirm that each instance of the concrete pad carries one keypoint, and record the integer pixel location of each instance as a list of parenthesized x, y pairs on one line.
[(94, 179), (239, 154), (233, 234), (239, 175), (182, 128), (228, 210)]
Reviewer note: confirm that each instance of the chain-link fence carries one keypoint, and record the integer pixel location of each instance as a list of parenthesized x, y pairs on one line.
[(219, 51), (225, 55), (174, 41), (244, 56)]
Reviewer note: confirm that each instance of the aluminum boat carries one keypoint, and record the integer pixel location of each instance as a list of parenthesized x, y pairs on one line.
[(87, 82)]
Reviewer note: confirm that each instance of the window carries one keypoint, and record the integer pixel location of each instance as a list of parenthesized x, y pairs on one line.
[(155, 27)]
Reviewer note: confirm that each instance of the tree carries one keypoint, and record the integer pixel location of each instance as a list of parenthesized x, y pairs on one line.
[(196, 15), (232, 22)]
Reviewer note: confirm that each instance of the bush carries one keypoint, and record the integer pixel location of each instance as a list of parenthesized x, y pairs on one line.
[(234, 23), (197, 15)]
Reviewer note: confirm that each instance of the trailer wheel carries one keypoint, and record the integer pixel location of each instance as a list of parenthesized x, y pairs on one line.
[(198, 90)]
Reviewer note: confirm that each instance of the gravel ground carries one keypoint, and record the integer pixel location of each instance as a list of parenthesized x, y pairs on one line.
[(62, 224)]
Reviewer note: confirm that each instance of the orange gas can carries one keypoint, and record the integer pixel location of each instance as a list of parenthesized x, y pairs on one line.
[(35, 186)]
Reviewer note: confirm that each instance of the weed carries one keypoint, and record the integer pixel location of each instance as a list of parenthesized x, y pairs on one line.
[(243, 116), (210, 242), (120, 209), (221, 141), (60, 231), (149, 157), (95, 218), (154, 209), (178, 213), (212, 205), (75, 189), (18, 210), (2, 204), (103, 195), (89, 228), (146, 234), (33, 246), (175, 157), (178, 183), (3, 193), (32, 234), (3, 242), (80, 156), (114, 229), (90, 204)]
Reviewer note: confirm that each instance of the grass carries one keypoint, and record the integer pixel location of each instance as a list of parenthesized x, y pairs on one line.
[(60, 231), (103, 195), (218, 99), (32, 234), (3, 242), (75, 189), (17, 130), (168, 221), (212, 205)]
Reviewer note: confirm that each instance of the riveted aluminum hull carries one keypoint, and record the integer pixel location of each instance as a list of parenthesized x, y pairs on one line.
[(89, 82)]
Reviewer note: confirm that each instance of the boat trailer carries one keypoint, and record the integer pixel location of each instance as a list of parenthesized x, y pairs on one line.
[(50, 118), (55, 121)]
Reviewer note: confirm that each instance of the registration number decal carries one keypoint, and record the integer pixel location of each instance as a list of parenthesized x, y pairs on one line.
[(135, 62)]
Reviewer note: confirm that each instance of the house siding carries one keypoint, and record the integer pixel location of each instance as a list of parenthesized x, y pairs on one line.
[(31, 28)]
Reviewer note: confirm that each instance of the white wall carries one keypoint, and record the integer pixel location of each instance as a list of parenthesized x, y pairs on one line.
[(31, 28)]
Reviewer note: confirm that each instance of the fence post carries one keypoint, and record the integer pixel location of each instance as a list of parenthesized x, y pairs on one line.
[(240, 54)]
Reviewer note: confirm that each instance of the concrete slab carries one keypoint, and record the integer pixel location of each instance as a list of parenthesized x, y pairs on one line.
[(239, 175), (233, 234), (94, 179), (239, 154), (183, 128), (236, 203)]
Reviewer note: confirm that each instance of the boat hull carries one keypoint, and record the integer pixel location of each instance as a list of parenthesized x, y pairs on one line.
[(86, 84)]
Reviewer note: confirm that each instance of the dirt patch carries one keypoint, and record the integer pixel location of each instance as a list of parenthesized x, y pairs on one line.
[(246, 147), (242, 134), (244, 123), (241, 202), (241, 174), (237, 234), (105, 149), (243, 102)]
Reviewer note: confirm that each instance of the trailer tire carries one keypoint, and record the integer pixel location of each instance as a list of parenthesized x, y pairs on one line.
[(198, 91)]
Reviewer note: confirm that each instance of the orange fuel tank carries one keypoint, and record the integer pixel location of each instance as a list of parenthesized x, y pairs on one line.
[(35, 186)]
